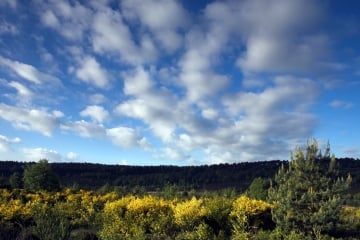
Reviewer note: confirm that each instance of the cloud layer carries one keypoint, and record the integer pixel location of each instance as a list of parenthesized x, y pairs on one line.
[(234, 81)]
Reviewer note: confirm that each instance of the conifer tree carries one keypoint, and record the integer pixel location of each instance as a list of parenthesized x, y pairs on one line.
[(40, 177), (258, 188), (309, 193)]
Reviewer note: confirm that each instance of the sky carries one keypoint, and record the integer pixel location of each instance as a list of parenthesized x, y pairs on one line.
[(167, 82)]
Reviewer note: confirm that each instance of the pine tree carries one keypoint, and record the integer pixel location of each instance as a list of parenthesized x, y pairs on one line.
[(309, 193), (40, 177), (258, 188)]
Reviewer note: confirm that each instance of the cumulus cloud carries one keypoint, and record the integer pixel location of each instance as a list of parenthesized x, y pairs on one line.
[(196, 65), (256, 125), (198, 78), (153, 106), (30, 119), (163, 18), (174, 154), (97, 113), (36, 154), (219, 86), (157, 117), (5, 143), (111, 35), (49, 19), (84, 129), (70, 20), (91, 72), (24, 93), (126, 137), (250, 126), (28, 72), (276, 112), (279, 36)]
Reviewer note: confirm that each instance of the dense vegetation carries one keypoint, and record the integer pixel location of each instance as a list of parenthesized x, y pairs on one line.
[(306, 198), (237, 176)]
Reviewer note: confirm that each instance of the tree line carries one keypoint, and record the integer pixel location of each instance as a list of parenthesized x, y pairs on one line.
[(237, 176)]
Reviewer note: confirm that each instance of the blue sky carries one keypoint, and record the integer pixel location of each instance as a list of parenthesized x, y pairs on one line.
[(150, 82)]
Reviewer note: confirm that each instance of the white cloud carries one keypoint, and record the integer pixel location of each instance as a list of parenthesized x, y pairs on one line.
[(50, 19), (36, 154), (204, 47), (58, 114), (22, 90), (164, 18), (280, 36), (173, 154), (210, 113), (138, 83), (30, 119), (126, 137), (91, 72), (158, 117), (29, 72), (198, 78), (111, 35), (153, 106), (97, 113), (283, 96), (5, 143), (71, 156), (84, 129), (276, 112), (341, 104), (254, 126), (70, 20), (251, 126), (202, 82)]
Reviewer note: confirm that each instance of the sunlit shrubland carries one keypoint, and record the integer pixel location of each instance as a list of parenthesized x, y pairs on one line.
[(135, 218), (110, 216)]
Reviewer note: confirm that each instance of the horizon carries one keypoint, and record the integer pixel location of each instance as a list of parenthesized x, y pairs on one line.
[(177, 83)]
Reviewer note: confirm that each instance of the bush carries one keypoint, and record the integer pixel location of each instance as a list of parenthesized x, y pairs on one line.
[(137, 218), (51, 222)]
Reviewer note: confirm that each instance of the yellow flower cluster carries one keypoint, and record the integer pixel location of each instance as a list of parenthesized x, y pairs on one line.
[(190, 212), (80, 207), (249, 207), (128, 217)]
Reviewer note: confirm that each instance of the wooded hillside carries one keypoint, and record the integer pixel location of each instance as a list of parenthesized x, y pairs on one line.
[(237, 176)]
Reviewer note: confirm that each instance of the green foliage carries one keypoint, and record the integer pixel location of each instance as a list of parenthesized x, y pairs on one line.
[(51, 222), (15, 180), (217, 217), (239, 222), (40, 177), (258, 189), (308, 195)]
